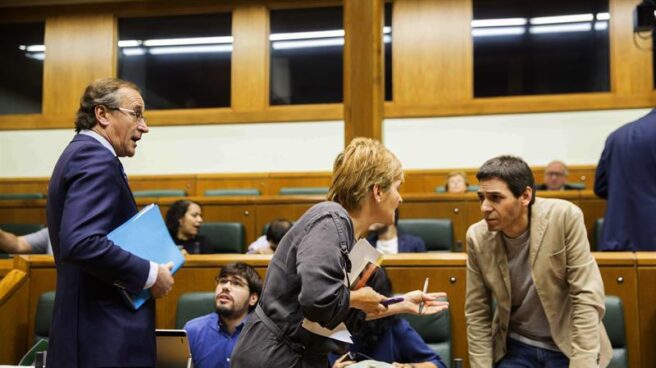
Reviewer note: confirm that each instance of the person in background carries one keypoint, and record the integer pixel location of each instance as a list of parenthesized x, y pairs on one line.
[(626, 178), (183, 220), (389, 240), (390, 339), (456, 182), (276, 230), (213, 336), (305, 294), (37, 242), (532, 258), (555, 177)]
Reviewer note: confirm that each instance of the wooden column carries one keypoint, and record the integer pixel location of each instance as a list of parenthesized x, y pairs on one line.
[(79, 49), (250, 58), (364, 87)]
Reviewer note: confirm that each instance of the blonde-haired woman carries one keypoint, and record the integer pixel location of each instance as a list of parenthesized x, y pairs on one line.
[(305, 279)]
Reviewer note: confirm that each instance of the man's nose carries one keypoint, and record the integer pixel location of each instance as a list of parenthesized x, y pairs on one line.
[(143, 127)]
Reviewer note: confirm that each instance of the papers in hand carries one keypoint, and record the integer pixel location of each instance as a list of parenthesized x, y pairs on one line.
[(365, 259), (145, 235)]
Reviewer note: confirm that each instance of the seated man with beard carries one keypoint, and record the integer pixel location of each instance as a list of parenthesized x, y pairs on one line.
[(213, 336)]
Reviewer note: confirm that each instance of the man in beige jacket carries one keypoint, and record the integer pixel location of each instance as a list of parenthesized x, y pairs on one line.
[(532, 259)]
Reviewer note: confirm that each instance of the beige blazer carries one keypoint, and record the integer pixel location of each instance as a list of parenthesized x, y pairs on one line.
[(566, 278)]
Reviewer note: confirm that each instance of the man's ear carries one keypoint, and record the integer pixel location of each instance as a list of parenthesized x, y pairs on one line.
[(101, 113), (527, 196), (252, 300)]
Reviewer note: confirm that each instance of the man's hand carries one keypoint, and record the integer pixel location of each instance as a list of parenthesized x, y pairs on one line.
[(164, 282), (343, 362)]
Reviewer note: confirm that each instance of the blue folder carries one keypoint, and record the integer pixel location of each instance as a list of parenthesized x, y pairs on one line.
[(145, 235)]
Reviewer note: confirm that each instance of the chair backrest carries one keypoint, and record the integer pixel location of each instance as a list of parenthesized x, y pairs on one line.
[(30, 357), (435, 329), (614, 323), (436, 233), (160, 193), (43, 316), (192, 305), (232, 192), (579, 186), (442, 189), (224, 237), (303, 190), (598, 226), (10, 196)]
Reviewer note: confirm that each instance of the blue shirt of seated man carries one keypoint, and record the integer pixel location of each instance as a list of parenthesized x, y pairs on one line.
[(213, 337)]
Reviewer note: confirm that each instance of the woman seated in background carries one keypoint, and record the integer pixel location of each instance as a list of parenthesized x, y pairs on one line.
[(390, 339), (183, 220), (388, 240), (456, 182)]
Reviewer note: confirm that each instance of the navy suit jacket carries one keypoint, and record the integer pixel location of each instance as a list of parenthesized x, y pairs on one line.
[(626, 177), (407, 243), (88, 197)]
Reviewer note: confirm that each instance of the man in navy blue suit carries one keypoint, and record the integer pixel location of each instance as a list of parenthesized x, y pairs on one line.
[(389, 240), (626, 177), (88, 197)]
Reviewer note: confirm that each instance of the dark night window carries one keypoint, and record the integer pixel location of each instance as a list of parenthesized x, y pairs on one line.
[(21, 67), (178, 62), (306, 56), (528, 47)]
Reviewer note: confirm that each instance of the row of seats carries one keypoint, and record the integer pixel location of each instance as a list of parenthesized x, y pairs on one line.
[(434, 329)]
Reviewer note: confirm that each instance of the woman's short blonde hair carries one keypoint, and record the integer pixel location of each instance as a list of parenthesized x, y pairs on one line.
[(455, 173), (363, 163)]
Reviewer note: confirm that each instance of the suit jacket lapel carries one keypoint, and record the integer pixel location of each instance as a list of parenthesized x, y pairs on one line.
[(538, 228)]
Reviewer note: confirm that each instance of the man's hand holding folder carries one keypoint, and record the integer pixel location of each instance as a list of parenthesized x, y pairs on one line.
[(164, 281)]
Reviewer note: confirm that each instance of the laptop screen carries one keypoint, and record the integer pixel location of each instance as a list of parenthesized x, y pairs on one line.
[(173, 349)]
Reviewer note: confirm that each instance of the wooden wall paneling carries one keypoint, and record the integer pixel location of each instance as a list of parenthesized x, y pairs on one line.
[(250, 58), (206, 182), (432, 51), (27, 211), (244, 213), (364, 77), (13, 316), (620, 277), (154, 182), (6, 265), (451, 207), (647, 306), (79, 49), (42, 279), (24, 185), (281, 180), (631, 67)]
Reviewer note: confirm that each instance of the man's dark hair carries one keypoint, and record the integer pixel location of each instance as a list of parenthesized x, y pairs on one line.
[(174, 214), (277, 229), (514, 171), (99, 92), (248, 273)]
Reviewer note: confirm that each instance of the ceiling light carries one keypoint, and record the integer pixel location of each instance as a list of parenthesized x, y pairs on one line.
[(500, 22), (189, 49), (188, 41), (561, 28), (283, 45), (306, 35), (499, 31), (572, 18)]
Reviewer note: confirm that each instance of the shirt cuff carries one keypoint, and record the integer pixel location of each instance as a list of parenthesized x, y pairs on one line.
[(152, 275)]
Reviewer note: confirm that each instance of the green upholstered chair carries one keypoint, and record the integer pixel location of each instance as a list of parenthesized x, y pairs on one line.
[(577, 186), (224, 237), (614, 323), (160, 193), (442, 189), (10, 196), (42, 321), (303, 191), (436, 233), (192, 305), (232, 192), (435, 329), (21, 229), (598, 226)]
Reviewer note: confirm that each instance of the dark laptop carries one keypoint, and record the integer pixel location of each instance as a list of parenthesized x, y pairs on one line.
[(173, 349)]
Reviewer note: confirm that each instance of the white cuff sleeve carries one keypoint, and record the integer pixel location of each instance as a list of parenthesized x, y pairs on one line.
[(152, 275)]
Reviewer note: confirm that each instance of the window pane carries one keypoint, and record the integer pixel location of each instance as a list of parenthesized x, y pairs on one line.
[(528, 47), (306, 56), (21, 67), (387, 38), (178, 62)]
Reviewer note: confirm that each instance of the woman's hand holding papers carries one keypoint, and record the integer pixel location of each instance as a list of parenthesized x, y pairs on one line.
[(367, 300)]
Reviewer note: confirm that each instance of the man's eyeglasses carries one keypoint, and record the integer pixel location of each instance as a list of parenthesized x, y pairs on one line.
[(137, 115), (554, 173)]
